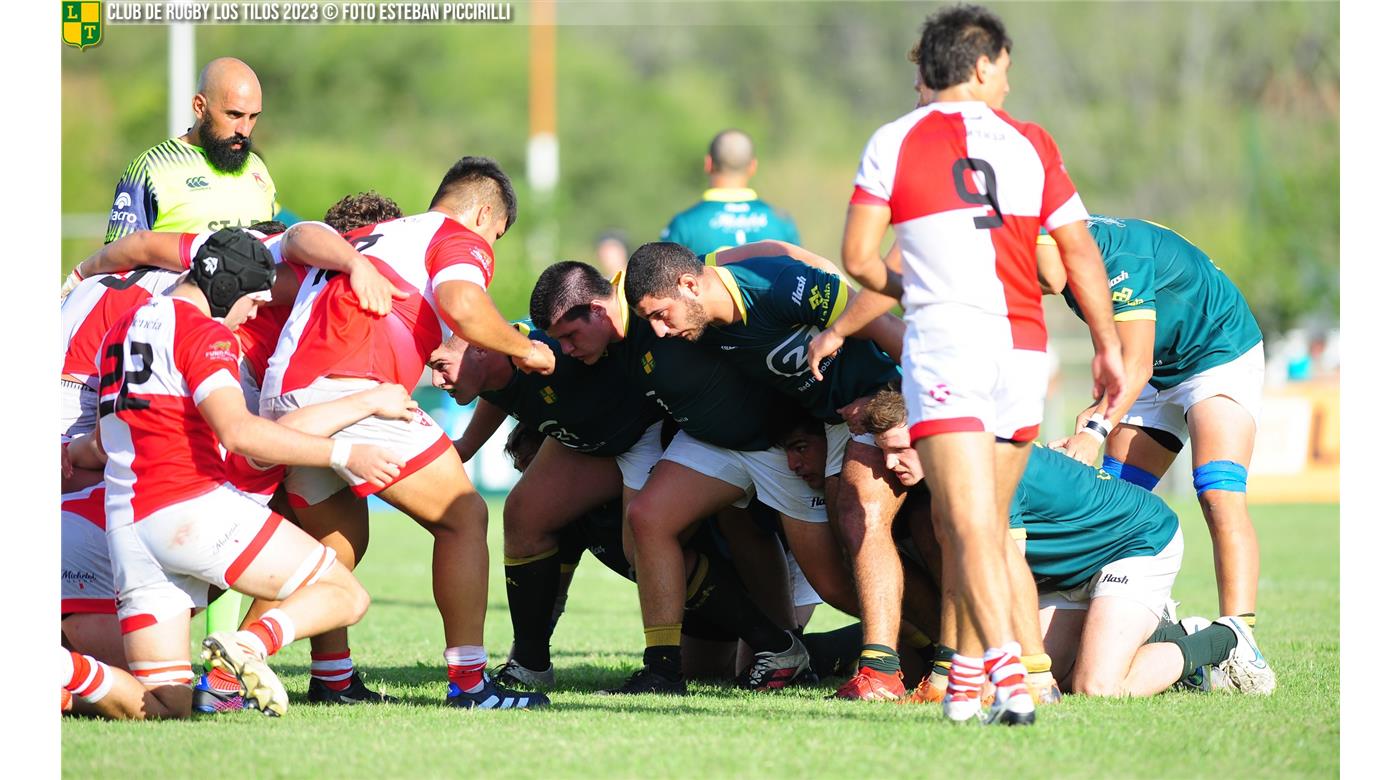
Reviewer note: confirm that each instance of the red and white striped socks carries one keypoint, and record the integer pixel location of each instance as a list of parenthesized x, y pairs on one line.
[(1006, 672), (333, 669), (466, 665), (84, 676), (965, 678), (273, 632)]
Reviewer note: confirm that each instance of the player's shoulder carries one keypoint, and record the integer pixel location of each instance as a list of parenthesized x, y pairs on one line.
[(168, 153), (892, 133)]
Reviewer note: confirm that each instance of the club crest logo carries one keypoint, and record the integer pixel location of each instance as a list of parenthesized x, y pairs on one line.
[(82, 23)]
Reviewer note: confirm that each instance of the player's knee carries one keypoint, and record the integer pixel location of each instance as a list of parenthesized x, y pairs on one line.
[(647, 519), (1222, 475), (1130, 473), (359, 598), (1089, 682)]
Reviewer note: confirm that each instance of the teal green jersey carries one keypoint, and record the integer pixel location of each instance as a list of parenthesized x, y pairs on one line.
[(1078, 519), (591, 409), (783, 303), (729, 217), (172, 187), (1202, 319)]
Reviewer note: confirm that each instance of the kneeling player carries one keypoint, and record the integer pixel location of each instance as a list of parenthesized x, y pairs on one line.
[(168, 397), (1104, 554)]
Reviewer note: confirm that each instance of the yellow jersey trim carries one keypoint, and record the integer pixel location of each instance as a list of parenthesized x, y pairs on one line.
[(1135, 314), (726, 277), (1018, 534), (712, 259), (729, 194), (624, 311), (839, 306), (1045, 239)]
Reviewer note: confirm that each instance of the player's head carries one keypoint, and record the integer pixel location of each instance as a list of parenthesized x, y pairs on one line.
[(271, 227), (234, 271), (571, 301), (522, 443), (965, 44), (803, 439), (663, 286), (226, 108), (478, 194), (886, 417), (731, 155), (463, 371), (365, 208)]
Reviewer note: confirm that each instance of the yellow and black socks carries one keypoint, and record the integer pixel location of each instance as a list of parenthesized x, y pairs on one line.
[(663, 653), (532, 587), (879, 658)]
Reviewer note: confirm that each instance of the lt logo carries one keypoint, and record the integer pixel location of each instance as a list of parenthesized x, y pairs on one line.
[(82, 23)]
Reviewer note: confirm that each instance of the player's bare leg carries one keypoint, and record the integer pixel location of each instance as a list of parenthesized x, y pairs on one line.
[(865, 509), (1222, 443), (818, 554), (159, 687), (1025, 621), (554, 490), (657, 521), (99, 636), (1114, 631), (759, 558)]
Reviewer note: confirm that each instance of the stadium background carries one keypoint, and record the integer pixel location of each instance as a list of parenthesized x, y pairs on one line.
[(1217, 119)]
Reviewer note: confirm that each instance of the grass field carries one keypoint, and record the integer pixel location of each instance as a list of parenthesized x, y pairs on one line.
[(727, 732)]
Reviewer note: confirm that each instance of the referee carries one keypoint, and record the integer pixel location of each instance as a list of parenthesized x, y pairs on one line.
[(208, 178), (729, 212)]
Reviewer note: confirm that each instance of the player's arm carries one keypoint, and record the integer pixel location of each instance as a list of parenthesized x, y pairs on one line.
[(472, 315), (773, 248), (85, 452), (144, 247), (1048, 268), (264, 441), (486, 419), (134, 205), (317, 245), (1084, 269), (867, 316), (388, 401), (860, 249), (1137, 337)]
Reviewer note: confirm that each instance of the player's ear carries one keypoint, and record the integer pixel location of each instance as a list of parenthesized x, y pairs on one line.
[(709, 164), (483, 215), (689, 283), (199, 104)]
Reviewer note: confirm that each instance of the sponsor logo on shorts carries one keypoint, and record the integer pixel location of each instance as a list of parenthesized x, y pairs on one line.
[(818, 502), (81, 578), (1121, 579), (940, 393)]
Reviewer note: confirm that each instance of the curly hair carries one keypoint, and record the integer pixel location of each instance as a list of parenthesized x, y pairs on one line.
[(366, 208), (885, 410)]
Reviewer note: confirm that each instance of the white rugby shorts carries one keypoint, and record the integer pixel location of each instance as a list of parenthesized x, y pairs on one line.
[(803, 594), (1145, 579), (77, 409), (761, 472), (417, 442), (1241, 380), (955, 382), (636, 464), (87, 585), (165, 562)]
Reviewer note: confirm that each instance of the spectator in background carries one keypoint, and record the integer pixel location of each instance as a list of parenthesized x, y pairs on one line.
[(611, 251), (729, 213), (208, 178)]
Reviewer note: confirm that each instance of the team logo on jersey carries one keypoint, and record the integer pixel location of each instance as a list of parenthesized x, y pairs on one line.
[(262, 183), (790, 357), (82, 23), (1123, 296), (197, 182), (547, 394), (648, 363)]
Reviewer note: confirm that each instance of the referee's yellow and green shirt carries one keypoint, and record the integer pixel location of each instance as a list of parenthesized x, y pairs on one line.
[(173, 187), (729, 216)]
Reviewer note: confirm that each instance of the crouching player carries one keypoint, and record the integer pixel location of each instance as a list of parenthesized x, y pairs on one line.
[(1104, 554), (168, 397)]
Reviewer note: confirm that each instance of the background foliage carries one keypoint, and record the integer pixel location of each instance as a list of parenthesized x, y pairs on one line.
[(1217, 119)]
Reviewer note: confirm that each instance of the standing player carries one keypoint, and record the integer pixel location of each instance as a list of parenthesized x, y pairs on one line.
[(966, 188), (443, 260), (729, 212), (1195, 361), (168, 400)]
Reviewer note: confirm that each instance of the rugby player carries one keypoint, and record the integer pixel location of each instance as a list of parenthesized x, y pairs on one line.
[(443, 260), (1104, 555), (168, 399), (759, 308), (1195, 361), (974, 360)]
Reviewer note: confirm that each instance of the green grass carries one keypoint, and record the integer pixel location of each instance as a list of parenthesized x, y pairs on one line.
[(728, 732)]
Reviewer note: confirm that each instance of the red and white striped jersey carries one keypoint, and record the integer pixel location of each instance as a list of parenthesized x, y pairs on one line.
[(258, 336), (87, 504), (158, 362), (328, 335), (968, 189)]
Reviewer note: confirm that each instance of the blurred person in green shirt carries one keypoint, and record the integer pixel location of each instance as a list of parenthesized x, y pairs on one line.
[(729, 212)]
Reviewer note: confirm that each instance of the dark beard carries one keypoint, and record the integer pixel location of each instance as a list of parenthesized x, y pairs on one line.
[(220, 151)]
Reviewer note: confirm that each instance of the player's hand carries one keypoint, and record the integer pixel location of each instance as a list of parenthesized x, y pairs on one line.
[(67, 464), (1109, 376), (74, 278), (540, 360), (1083, 447), (391, 401), (854, 415), (823, 346), (374, 292), (373, 464)]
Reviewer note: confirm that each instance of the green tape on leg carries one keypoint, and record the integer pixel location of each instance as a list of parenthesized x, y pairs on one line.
[(224, 613)]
